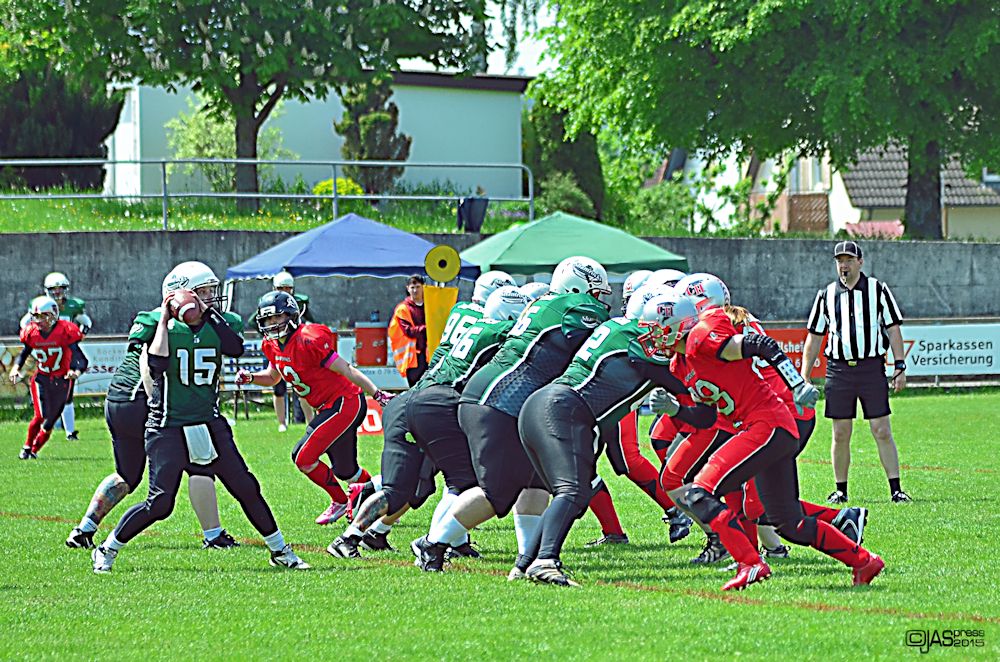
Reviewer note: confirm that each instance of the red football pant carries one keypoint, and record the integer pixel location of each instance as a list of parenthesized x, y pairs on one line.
[(333, 430), (758, 445), (689, 457), (604, 509), (640, 470), (665, 430), (48, 397)]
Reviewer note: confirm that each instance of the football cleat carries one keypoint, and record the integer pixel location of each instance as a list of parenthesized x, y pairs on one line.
[(899, 496), (747, 574), (712, 552), (465, 550), (851, 522), (356, 495), (377, 542), (680, 524), (609, 539), (104, 558), (779, 552), (80, 539), (430, 556), (549, 571), (282, 427), (286, 558), (515, 574), (27, 454), (836, 497), (73, 436), (221, 541), (332, 514), (344, 547), (869, 571)]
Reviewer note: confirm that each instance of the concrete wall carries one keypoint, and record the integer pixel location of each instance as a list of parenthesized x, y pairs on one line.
[(120, 273)]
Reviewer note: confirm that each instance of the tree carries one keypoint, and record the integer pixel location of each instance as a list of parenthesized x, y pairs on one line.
[(245, 55), (810, 76), (369, 128)]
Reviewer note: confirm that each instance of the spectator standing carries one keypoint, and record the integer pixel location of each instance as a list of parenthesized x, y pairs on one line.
[(408, 332), (863, 320)]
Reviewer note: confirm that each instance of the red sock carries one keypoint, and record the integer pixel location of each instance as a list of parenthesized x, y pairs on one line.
[(751, 530), (661, 453), (604, 508), (322, 476), (40, 439), (822, 513), (364, 477), (645, 475), (832, 542), (734, 538), (33, 427)]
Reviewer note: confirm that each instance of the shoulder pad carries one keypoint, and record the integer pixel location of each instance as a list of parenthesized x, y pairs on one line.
[(234, 321)]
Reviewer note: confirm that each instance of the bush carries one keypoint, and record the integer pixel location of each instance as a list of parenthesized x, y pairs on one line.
[(560, 192), (666, 208), (345, 186)]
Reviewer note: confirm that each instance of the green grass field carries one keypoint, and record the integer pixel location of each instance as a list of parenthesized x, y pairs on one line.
[(166, 598)]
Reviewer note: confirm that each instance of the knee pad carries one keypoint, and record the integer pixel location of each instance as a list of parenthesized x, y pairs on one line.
[(394, 500), (307, 468), (802, 532), (701, 503), (160, 506)]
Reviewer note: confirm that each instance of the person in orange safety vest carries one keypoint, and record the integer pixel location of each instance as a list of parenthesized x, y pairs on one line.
[(408, 332)]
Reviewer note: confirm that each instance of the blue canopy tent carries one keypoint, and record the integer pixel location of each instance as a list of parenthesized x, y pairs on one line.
[(349, 246)]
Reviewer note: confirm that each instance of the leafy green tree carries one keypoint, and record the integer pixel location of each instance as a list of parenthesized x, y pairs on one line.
[(561, 193), (245, 55), (812, 76), (370, 130)]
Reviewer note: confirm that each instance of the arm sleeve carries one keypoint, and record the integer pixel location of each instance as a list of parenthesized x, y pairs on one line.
[(231, 342), (78, 360), (889, 312), (700, 416), (23, 356), (817, 316), (765, 347), (157, 365)]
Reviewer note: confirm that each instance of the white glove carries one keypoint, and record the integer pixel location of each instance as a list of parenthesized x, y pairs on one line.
[(662, 402), (243, 377), (806, 395), (382, 398)]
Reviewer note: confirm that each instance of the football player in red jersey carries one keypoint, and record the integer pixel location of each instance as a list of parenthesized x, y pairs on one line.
[(305, 356), (765, 445), (53, 343)]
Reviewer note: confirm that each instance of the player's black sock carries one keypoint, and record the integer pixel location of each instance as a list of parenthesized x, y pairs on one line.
[(893, 485), (842, 487)]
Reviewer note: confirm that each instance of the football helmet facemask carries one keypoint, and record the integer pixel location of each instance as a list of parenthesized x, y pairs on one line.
[(667, 318), (44, 312), (277, 303), (56, 285), (633, 282)]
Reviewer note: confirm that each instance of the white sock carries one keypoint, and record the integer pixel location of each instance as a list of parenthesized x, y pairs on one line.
[(275, 542), (353, 532), (449, 530), (443, 505), (525, 527), (87, 525), (380, 527), (768, 536), (377, 482), (69, 418), (212, 534), (112, 543)]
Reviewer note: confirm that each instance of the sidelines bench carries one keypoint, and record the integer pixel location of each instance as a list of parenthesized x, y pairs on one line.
[(252, 360)]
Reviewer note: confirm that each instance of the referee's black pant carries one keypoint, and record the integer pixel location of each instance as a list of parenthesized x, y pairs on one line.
[(168, 459), (557, 431)]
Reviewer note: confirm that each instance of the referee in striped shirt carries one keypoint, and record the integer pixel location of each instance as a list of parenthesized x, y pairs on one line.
[(862, 319)]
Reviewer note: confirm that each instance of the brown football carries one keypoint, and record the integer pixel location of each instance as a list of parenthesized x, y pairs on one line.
[(184, 307)]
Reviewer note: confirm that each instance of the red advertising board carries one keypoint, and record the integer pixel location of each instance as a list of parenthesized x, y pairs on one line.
[(792, 342), (373, 419)]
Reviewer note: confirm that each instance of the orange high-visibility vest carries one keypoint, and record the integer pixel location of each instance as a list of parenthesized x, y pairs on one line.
[(404, 348)]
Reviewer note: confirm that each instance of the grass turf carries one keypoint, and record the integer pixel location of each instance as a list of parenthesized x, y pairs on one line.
[(167, 599)]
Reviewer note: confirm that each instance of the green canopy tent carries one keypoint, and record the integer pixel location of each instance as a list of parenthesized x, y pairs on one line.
[(539, 246)]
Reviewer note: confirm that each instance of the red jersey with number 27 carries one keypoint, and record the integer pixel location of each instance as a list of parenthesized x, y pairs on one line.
[(304, 362), (51, 351), (732, 386)]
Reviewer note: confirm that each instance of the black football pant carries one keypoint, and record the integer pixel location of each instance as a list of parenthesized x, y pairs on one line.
[(557, 431), (432, 416), (407, 473), (168, 459), (127, 424)]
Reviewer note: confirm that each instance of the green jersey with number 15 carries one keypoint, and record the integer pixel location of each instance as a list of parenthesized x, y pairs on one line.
[(461, 316), (188, 392)]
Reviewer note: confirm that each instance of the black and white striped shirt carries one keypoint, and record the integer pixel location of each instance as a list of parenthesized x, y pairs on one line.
[(856, 318)]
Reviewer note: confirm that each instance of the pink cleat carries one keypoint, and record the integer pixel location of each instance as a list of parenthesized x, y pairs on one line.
[(332, 514), (869, 571), (747, 574), (354, 499)]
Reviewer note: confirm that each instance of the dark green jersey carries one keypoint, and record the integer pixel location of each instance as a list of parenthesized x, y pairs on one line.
[(126, 385), (612, 372), (71, 308), (537, 350), (461, 316), (188, 392), (477, 346), (303, 302)]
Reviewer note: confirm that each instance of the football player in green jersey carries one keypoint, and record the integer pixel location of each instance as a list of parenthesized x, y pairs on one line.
[(538, 348), (185, 431), (562, 426)]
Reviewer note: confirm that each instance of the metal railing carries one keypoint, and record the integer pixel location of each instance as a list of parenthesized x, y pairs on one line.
[(335, 198)]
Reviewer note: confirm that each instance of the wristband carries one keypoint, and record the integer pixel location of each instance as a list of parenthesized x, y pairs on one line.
[(789, 373), (900, 365)]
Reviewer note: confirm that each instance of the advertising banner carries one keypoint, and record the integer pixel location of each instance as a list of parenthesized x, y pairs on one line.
[(951, 349)]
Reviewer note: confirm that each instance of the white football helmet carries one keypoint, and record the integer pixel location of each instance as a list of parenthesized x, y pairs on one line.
[(583, 276), (641, 296), (505, 303), (488, 282), (44, 311), (56, 280), (192, 276), (535, 290), (666, 277), (633, 282), (668, 317), (284, 279), (706, 290)]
